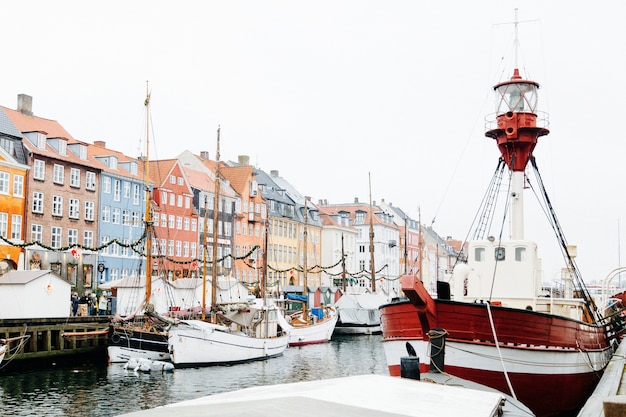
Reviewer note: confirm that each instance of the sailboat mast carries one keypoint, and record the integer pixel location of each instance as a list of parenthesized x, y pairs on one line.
[(343, 265), (148, 216), (420, 243), (372, 266), (205, 239), (306, 248), (216, 206)]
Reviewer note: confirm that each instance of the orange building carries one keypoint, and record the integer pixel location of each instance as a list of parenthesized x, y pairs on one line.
[(13, 170)]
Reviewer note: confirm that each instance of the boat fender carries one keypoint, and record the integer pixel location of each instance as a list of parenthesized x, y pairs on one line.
[(115, 338)]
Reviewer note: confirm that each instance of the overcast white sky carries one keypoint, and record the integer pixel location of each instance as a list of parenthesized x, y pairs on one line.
[(328, 91)]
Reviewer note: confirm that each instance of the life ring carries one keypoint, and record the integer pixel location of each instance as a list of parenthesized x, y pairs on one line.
[(115, 338)]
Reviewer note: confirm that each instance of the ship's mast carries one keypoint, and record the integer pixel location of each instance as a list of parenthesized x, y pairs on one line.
[(372, 266), (148, 216), (216, 206)]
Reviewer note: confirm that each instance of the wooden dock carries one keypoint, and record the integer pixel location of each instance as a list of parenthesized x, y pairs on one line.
[(54, 340), (609, 397)]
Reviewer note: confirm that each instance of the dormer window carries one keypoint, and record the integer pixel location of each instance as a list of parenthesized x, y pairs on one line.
[(41, 140), (62, 147)]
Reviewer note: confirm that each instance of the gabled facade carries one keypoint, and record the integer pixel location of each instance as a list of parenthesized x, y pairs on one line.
[(339, 239), (173, 215), (121, 214), (307, 218), (13, 174), (411, 242), (283, 237), (62, 199), (201, 174), (250, 222)]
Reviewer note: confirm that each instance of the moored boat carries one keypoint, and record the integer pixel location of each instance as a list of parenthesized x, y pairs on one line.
[(498, 325)]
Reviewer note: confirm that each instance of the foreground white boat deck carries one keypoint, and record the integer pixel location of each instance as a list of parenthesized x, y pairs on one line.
[(365, 396)]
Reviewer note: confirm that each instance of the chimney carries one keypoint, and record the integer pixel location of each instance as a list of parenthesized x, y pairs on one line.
[(356, 199), (25, 104), (243, 159), (274, 173), (100, 143), (204, 155)]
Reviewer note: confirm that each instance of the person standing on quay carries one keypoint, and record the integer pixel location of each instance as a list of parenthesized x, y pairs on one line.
[(74, 300), (102, 305), (83, 304)]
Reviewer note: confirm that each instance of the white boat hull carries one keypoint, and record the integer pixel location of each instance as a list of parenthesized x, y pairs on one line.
[(198, 343), (120, 354), (320, 332)]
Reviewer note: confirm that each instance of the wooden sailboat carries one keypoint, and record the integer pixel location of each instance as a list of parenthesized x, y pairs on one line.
[(147, 338), (234, 334), (308, 326)]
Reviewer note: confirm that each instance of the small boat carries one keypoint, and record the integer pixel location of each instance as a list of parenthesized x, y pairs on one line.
[(309, 327), (358, 313), (500, 327)]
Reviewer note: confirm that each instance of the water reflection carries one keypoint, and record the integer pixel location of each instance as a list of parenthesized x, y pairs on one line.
[(96, 390)]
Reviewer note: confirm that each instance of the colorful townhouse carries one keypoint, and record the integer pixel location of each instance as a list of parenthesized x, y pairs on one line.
[(250, 222), (174, 218), (309, 249), (61, 218), (122, 209), (201, 175), (283, 238), (13, 174)]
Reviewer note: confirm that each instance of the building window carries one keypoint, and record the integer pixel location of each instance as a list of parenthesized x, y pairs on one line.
[(193, 249), (172, 199), (125, 243), (179, 203), (72, 237), (89, 210), (105, 247), (186, 249), (75, 177), (88, 238), (187, 202), (16, 226), (39, 170), (179, 222), (18, 185), (172, 179), (57, 205), (117, 190), (4, 182), (126, 189), (162, 246), (186, 225), (90, 179), (135, 219), (126, 217), (171, 221), (74, 208), (136, 194), (106, 214), (56, 237), (179, 248), (36, 232), (4, 224), (170, 248), (194, 223), (115, 218), (106, 185), (58, 175)]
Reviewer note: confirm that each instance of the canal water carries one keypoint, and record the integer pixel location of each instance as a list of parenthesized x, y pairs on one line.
[(109, 390)]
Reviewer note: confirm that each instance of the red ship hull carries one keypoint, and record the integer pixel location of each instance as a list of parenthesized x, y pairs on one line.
[(553, 363)]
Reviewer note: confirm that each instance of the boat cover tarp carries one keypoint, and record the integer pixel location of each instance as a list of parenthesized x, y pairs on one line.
[(298, 297), (360, 308)]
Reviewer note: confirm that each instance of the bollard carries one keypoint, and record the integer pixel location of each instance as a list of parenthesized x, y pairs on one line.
[(437, 349), (410, 367)]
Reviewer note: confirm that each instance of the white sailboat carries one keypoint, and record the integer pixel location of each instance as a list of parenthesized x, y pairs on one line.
[(234, 334)]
